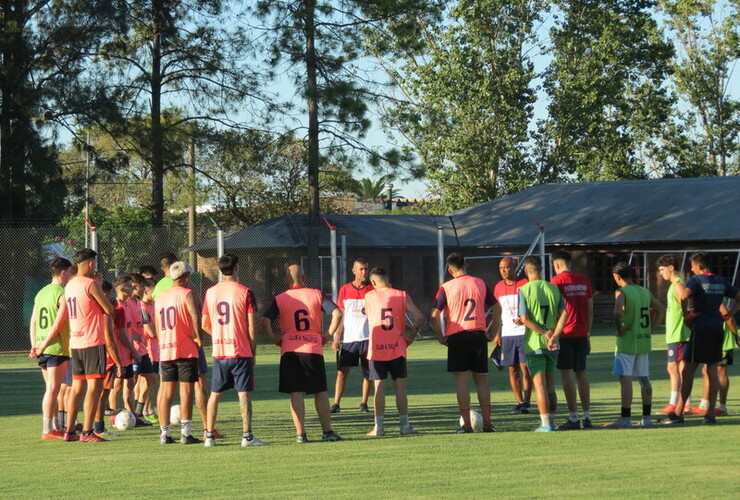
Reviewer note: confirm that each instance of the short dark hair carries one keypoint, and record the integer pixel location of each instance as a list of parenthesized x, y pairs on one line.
[(379, 271), (120, 280), (623, 270), (166, 259), (668, 259), (107, 287), (533, 261), (137, 278), (85, 254), (701, 259), (149, 283), (561, 255), (227, 263), (456, 260), (148, 270), (58, 265)]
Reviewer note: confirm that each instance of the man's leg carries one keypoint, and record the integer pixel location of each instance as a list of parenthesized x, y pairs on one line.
[(515, 382), (379, 408), (321, 402), (484, 396), (92, 400), (245, 408), (365, 385), (342, 375), (462, 384), (675, 381), (53, 381), (128, 395), (569, 388), (212, 411), (73, 401), (724, 385), (584, 390), (297, 411), (201, 398), (164, 402), (687, 384), (552, 396), (186, 412), (526, 382), (713, 377), (540, 393)]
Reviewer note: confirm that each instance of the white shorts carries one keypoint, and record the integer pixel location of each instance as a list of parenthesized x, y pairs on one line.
[(631, 365)]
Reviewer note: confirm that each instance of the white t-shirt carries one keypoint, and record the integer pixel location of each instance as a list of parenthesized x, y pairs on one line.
[(352, 301), (507, 296)]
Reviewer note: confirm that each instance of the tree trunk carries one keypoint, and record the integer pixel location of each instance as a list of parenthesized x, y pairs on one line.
[(313, 267), (156, 117)]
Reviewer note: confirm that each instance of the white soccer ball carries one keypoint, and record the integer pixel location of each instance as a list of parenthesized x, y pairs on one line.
[(125, 420), (475, 420), (175, 414)]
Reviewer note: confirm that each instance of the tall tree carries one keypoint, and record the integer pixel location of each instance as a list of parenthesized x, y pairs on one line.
[(606, 85), (469, 100), (707, 37), (180, 61), (46, 49)]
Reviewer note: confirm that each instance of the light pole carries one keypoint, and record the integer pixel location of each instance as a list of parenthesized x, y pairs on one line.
[(389, 188)]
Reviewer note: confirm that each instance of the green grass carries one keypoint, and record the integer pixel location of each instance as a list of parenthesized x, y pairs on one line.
[(689, 461)]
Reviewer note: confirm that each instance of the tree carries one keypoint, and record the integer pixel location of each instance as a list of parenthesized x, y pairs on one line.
[(180, 61), (708, 46), (367, 188), (46, 49), (606, 85), (469, 101)]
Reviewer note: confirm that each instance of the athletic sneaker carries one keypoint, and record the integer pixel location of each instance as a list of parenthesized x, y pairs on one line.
[(668, 409), (217, 434), (71, 436), (142, 422), (406, 431), (698, 410), (52, 435), (335, 409), (109, 412), (587, 423), (644, 422), (464, 430), (189, 439), (620, 423), (364, 408), (688, 410), (106, 434), (525, 408), (301, 438), (152, 417), (720, 413), (375, 432), (91, 438), (709, 419), (671, 419), (331, 436), (163, 439), (254, 442), (569, 425), (209, 442), (518, 408), (489, 428), (545, 428)]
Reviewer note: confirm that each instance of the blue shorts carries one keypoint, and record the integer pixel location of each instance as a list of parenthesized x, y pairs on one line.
[(379, 370), (145, 367), (67, 380), (676, 351), (232, 373), (572, 353), (51, 360), (353, 354), (512, 350), (202, 365)]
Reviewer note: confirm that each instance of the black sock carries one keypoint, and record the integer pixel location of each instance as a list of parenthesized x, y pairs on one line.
[(248, 435), (626, 412), (139, 408), (62, 418), (646, 409)]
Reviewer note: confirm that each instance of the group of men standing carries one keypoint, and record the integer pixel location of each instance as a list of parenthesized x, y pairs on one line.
[(539, 326)]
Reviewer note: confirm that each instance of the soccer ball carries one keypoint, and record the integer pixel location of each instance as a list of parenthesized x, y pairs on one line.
[(175, 414), (475, 420), (125, 420)]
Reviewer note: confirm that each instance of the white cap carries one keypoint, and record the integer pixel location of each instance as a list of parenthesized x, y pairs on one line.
[(179, 269)]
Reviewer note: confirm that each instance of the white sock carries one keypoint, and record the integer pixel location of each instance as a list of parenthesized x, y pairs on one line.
[(185, 427), (722, 407), (47, 425), (586, 415), (165, 429), (545, 420), (704, 404), (405, 421), (379, 421), (55, 424), (573, 416), (674, 398)]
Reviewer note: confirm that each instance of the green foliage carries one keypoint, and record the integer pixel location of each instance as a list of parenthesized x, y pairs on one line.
[(470, 100), (369, 189)]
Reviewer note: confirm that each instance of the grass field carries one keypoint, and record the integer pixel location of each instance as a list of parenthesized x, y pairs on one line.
[(690, 461)]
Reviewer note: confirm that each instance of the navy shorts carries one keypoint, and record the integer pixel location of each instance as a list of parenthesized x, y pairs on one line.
[(353, 354), (379, 370), (232, 373), (67, 380), (705, 345), (302, 372), (202, 365), (676, 351), (145, 367), (467, 351), (180, 370), (512, 350), (51, 360), (572, 354)]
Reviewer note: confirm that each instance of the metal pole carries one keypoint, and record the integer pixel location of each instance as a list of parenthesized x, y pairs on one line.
[(644, 270), (542, 248), (441, 255), (344, 258), (334, 271), (191, 208), (87, 189), (220, 248), (94, 238)]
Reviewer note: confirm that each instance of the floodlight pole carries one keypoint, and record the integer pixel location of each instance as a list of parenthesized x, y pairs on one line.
[(441, 255), (333, 249), (219, 245), (344, 258)]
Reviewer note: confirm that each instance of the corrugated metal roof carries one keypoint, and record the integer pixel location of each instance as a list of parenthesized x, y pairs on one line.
[(620, 212)]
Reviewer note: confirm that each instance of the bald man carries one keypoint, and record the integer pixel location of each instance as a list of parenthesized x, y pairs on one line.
[(302, 371)]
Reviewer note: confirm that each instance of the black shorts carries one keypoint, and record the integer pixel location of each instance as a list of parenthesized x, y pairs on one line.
[(572, 354), (145, 366), (155, 367), (88, 363), (467, 351), (705, 345), (127, 372), (51, 360), (302, 372), (379, 370), (353, 354), (202, 364), (728, 358), (180, 370), (232, 373)]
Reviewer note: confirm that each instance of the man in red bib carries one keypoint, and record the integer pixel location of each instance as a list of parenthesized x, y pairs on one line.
[(386, 310), (302, 370)]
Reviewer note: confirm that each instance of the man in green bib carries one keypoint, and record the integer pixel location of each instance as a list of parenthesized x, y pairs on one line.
[(542, 311), (634, 329), (50, 341)]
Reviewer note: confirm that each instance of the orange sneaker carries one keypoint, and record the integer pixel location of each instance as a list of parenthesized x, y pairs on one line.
[(668, 409), (52, 435), (698, 410), (720, 413)]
